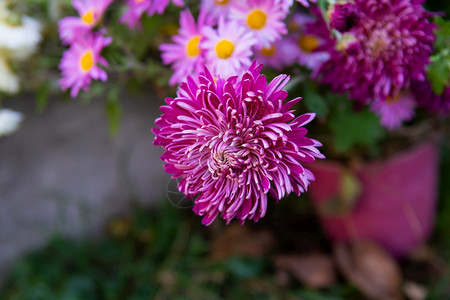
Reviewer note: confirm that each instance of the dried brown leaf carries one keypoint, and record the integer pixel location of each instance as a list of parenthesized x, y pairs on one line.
[(314, 270), (370, 268)]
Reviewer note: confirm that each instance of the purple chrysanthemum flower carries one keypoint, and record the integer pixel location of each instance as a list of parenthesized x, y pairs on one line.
[(343, 16), (427, 99), (90, 11), (395, 111), (135, 9), (232, 141), (389, 48), (80, 64)]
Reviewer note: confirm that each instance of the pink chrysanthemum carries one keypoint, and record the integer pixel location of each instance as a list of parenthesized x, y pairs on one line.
[(185, 55), (80, 64), (380, 56), (228, 49), (135, 9), (280, 54), (90, 11), (264, 18), (232, 141), (395, 111), (217, 9), (158, 6)]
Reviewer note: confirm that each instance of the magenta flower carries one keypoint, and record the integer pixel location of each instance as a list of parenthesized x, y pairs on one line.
[(344, 16), (184, 54), (264, 18), (305, 2), (80, 64), (427, 99), (158, 6), (395, 111), (228, 48), (232, 141), (384, 52), (90, 11), (135, 9)]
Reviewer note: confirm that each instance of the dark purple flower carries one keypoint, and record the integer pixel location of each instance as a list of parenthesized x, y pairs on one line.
[(344, 16), (390, 48), (234, 140), (427, 99)]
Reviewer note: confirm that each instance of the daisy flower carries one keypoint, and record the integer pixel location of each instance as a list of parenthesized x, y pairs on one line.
[(80, 64), (9, 121), (280, 54), (184, 54), (394, 111), (158, 6), (264, 18), (306, 2), (228, 48), (135, 9), (90, 13), (217, 9), (392, 43), (311, 36), (234, 141)]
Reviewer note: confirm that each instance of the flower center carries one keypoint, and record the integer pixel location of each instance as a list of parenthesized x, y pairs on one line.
[(393, 99), (256, 19), (224, 49), (268, 51), (221, 2), (308, 43), (192, 49), (87, 61), (88, 18)]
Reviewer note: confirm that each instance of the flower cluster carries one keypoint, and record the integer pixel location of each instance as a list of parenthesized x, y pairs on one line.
[(383, 48), (233, 141), (229, 34), (81, 62)]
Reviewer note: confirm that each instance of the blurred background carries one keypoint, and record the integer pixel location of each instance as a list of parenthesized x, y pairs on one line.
[(87, 211)]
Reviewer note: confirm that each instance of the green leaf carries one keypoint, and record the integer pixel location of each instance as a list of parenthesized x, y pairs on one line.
[(113, 110), (314, 101), (355, 129)]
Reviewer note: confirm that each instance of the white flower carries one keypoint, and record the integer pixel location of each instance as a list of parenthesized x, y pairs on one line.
[(19, 42), (9, 82), (9, 121)]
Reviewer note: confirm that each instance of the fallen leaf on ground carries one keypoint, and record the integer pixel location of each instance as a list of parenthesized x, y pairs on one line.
[(314, 270), (369, 268), (414, 291), (239, 240)]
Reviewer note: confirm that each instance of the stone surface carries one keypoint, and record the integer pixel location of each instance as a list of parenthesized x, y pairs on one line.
[(63, 173)]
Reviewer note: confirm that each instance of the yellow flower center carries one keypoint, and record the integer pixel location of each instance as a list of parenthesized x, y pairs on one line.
[(138, 1), (88, 17), (224, 49), (393, 99), (192, 49), (256, 19), (268, 51), (308, 43), (87, 61), (221, 2)]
